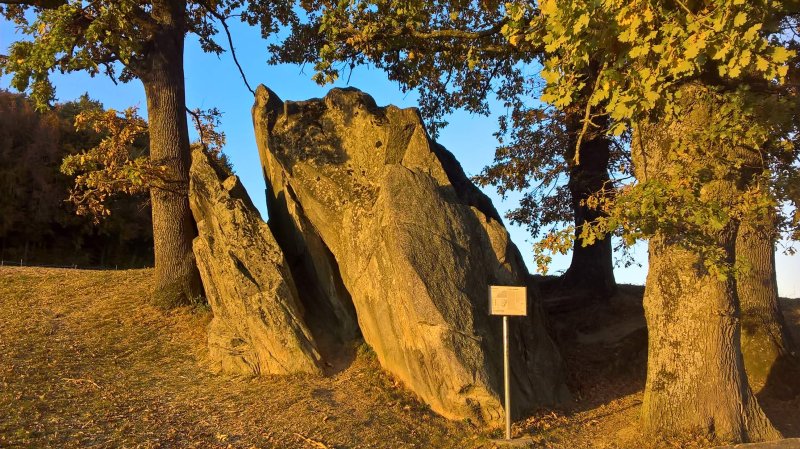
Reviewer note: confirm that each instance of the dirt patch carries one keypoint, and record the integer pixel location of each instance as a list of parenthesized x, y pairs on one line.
[(605, 350)]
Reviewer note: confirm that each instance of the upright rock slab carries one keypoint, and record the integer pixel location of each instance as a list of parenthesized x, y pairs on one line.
[(416, 245), (257, 326)]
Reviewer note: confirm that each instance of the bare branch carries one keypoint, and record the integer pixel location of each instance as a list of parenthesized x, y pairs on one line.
[(211, 10), (233, 52)]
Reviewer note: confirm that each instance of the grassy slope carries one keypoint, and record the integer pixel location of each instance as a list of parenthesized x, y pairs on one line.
[(85, 361)]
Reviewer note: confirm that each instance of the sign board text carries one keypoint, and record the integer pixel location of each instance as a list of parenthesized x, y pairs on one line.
[(508, 300)]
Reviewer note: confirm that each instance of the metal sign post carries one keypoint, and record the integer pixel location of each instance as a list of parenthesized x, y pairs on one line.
[(507, 377), (507, 301)]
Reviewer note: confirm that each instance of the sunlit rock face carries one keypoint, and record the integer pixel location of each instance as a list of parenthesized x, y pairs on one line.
[(409, 243), (258, 325)]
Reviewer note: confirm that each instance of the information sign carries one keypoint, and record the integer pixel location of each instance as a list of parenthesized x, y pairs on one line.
[(507, 300)]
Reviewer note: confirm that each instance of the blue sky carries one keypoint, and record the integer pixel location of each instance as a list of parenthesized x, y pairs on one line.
[(213, 81)]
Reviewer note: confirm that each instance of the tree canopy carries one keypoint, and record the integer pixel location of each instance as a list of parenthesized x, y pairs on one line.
[(455, 56), (114, 38), (611, 63), (742, 53)]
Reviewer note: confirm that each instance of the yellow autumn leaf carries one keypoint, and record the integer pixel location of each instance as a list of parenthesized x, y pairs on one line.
[(744, 58), (692, 50), (751, 32), (780, 55), (683, 66), (740, 19), (762, 64), (548, 7), (581, 23)]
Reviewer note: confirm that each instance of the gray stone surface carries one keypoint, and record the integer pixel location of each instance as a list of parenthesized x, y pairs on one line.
[(257, 326), (416, 245)]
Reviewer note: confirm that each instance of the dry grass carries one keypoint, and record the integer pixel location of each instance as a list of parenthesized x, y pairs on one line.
[(86, 361)]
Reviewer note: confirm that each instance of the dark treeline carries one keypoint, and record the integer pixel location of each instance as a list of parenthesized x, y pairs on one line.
[(37, 225)]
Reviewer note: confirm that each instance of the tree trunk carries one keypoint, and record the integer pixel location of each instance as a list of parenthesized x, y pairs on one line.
[(592, 266), (769, 352), (177, 278), (695, 373), (696, 382)]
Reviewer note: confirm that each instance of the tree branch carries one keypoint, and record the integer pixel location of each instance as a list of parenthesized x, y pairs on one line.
[(442, 40), (44, 4), (222, 20), (451, 33), (233, 53), (587, 118), (458, 34), (199, 124)]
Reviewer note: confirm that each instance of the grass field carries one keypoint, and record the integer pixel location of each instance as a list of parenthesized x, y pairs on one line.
[(86, 361)]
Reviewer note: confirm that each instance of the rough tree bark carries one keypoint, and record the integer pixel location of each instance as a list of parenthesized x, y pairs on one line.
[(592, 267), (696, 381), (177, 279), (769, 352)]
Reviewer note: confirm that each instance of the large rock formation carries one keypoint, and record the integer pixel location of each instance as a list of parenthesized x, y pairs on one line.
[(257, 326), (394, 222)]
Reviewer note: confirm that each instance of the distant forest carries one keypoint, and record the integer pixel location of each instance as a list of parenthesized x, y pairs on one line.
[(37, 225)]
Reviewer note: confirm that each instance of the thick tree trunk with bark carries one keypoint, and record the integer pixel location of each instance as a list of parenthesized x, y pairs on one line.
[(769, 352), (696, 382), (177, 278), (695, 373), (592, 266)]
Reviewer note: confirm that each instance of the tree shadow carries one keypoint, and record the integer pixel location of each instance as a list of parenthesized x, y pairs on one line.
[(780, 396), (604, 345)]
